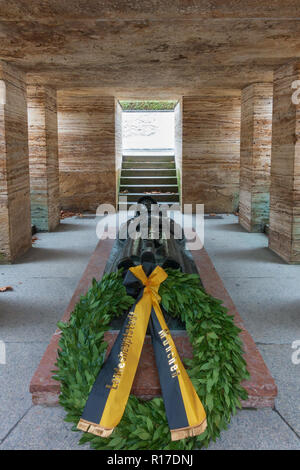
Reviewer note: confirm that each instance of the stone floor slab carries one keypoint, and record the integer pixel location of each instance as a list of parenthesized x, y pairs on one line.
[(257, 430), (15, 399), (287, 377), (43, 429), (270, 307)]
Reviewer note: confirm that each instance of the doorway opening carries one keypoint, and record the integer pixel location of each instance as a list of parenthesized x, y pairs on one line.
[(149, 154)]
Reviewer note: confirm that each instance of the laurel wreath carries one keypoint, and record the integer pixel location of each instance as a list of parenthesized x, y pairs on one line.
[(216, 370)]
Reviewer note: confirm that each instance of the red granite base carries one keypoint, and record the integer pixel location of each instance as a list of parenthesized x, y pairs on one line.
[(261, 386)]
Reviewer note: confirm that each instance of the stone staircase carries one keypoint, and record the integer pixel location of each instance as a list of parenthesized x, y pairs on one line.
[(153, 175)]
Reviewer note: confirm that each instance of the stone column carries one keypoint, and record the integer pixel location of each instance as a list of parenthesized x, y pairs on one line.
[(256, 139), (211, 150), (284, 233), (15, 225), (87, 149), (43, 157)]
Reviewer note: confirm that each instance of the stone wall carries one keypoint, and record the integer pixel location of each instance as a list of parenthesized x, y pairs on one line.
[(211, 151), (86, 142), (148, 129), (15, 225)]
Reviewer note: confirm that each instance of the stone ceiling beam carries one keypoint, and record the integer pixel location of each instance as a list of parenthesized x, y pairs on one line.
[(148, 9)]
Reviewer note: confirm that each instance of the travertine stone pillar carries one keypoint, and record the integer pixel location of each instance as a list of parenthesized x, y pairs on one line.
[(87, 148), (256, 139), (15, 225), (284, 235), (43, 157), (211, 150)]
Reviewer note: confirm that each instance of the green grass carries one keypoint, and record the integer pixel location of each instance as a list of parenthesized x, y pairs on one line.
[(147, 105)]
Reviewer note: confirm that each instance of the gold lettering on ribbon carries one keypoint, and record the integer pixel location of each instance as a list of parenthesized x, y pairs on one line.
[(172, 361), (126, 343)]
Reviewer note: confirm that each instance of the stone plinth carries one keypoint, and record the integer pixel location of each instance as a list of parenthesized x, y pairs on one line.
[(261, 387)]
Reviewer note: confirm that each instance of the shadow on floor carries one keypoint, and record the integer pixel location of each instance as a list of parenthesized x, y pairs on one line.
[(65, 227), (255, 255), (51, 254), (30, 319), (235, 227)]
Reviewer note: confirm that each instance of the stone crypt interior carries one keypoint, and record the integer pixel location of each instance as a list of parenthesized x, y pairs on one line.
[(233, 71)]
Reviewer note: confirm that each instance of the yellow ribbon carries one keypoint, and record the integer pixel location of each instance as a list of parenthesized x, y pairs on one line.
[(194, 409)]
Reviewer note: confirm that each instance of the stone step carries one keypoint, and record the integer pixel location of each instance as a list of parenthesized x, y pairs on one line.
[(129, 205), (148, 165), (137, 179), (141, 188), (148, 158), (138, 172), (159, 197)]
